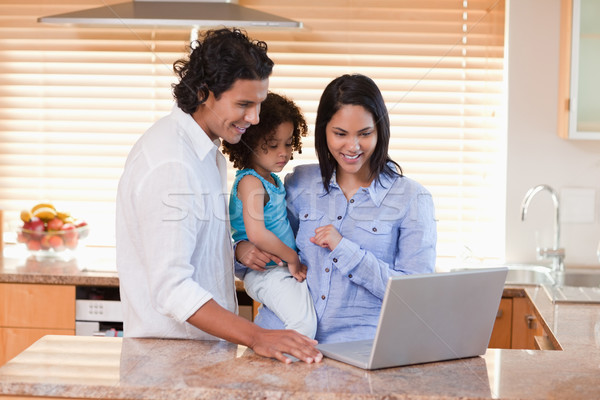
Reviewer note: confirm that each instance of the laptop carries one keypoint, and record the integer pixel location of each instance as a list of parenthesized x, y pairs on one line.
[(429, 317)]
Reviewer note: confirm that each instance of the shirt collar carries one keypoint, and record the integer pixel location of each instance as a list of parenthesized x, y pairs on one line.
[(200, 141), (377, 190)]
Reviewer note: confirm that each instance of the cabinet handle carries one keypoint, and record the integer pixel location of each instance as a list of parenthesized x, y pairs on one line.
[(531, 322)]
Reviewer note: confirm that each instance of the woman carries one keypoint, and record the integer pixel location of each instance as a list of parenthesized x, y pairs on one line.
[(357, 219)]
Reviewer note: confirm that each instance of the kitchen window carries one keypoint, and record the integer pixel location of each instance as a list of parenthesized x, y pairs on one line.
[(73, 100)]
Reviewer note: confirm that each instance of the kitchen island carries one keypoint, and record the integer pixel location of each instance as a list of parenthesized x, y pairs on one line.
[(38, 296), (77, 367)]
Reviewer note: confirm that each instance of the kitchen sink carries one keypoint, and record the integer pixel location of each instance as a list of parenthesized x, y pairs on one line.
[(529, 275), (581, 278), (523, 274), (572, 286), (575, 285)]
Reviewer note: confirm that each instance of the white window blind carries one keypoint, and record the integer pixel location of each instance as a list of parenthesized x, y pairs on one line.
[(73, 100)]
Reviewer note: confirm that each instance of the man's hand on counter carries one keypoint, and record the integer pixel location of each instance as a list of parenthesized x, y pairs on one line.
[(217, 321), (274, 343)]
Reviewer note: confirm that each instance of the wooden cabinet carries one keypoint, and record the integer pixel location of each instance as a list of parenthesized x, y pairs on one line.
[(502, 333), (28, 312), (526, 325), (579, 63), (518, 326)]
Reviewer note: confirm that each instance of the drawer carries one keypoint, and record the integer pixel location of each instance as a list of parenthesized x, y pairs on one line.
[(37, 306)]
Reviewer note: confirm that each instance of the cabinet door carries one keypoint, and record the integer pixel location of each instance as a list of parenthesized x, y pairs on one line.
[(37, 306), (525, 325), (579, 81), (14, 340), (501, 335)]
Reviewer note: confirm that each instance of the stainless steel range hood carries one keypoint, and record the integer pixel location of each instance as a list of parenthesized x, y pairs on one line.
[(170, 13)]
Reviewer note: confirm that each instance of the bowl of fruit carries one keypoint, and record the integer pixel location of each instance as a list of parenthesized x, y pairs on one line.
[(47, 232)]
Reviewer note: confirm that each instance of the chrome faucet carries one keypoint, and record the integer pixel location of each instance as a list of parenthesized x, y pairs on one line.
[(555, 253)]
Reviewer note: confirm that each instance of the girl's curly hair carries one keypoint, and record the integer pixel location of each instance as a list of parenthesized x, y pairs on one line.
[(274, 111)]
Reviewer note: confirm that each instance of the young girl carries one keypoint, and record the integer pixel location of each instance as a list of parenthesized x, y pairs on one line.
[(258, 212)]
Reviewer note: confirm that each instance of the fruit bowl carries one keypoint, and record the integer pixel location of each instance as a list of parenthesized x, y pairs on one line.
[(47, 233), (53, 243)]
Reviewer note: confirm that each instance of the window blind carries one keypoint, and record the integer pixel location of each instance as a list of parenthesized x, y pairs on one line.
[(73, 100)]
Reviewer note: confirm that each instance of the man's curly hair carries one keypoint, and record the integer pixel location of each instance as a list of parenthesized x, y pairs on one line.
[(274, 111), (218, 59)]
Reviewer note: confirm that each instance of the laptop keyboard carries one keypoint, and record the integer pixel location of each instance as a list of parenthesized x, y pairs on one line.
[(363, 348)]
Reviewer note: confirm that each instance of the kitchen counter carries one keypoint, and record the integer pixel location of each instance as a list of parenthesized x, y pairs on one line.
[(92, 267), (116, 368)]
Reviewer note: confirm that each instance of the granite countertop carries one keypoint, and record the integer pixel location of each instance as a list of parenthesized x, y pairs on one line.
[(91, 267), (116, 368)]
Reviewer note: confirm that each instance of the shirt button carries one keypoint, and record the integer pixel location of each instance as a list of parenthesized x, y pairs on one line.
[(349, 275), (374, 229), (339, 217), (323, 297), (351, 200), (326, 269), (305, 215), (335, 260)]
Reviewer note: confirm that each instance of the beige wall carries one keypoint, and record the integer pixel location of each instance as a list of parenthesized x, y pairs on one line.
[(535, 153)]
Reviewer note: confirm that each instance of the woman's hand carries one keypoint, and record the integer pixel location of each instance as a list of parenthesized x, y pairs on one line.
[(249, 255), (326, 236)]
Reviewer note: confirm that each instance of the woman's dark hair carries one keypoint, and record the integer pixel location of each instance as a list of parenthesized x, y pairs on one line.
[(274, 111), (217, 60), (357, 90)]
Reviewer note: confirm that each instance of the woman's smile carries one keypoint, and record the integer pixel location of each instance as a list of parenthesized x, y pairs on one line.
[(351, 158)]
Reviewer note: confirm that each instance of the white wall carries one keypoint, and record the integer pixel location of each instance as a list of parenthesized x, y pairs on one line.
[(535, 153)]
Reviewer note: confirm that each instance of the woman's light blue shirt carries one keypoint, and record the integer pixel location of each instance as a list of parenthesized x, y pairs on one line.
[(388, 229)]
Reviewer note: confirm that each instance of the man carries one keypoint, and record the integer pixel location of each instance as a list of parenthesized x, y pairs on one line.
[(174, 252)]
